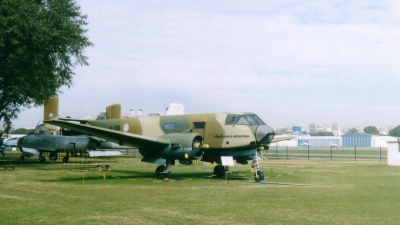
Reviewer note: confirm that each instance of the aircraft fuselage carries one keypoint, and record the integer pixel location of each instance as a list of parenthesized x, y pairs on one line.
[(226, 134), (48, 142)]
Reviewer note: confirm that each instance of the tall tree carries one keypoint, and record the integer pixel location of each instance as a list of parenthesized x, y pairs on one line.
[(395, 132), (353, 131), (41, 41), (371, 130)]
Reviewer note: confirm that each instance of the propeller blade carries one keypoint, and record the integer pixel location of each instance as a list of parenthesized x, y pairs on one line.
[(194, 151)]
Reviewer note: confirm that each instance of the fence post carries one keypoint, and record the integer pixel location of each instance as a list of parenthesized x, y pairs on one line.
[(355, 153), (380, 154), (308, 152), (287, 151), (331, 153), (276, 155)]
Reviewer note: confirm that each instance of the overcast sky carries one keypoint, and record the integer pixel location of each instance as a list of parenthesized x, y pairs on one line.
[(291, 62)]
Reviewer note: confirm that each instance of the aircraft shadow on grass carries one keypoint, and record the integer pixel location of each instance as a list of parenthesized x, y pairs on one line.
[(93, 175)]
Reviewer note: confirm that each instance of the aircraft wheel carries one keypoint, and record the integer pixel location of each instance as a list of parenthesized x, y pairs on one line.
[(53, 157), (258, 176), (219, 171), (42, 159), (65, 159), (21, 158), (160, 174)]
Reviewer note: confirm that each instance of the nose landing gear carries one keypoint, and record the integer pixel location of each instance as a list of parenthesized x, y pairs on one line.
[(258, 174)]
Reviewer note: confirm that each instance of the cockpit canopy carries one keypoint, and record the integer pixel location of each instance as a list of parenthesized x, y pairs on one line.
[(248, 119), (40, 129)]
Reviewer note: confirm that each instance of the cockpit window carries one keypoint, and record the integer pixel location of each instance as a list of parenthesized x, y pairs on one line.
[(241, 120), (249, 119), (231, 119), (254, 119)]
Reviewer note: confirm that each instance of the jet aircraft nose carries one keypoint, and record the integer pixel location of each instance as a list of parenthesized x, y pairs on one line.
[(264, 134)]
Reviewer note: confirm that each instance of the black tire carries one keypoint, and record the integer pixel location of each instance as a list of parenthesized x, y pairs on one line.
[(219, 171), (42, 159), (65, 159), (53, 157), (159, 172), (258, 176)]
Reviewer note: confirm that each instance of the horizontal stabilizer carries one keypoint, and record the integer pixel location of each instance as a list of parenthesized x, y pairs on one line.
[(278, 138)]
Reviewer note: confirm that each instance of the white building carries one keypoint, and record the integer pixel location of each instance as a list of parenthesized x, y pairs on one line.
[(381, 141), (393, 153)]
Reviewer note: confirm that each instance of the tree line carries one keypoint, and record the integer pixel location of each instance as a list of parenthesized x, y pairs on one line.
[(41, 41)]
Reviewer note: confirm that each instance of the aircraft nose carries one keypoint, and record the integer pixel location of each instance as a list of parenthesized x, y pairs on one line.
[(264, 134)]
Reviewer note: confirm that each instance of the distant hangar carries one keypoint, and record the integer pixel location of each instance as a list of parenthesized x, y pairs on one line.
[(347, 140)]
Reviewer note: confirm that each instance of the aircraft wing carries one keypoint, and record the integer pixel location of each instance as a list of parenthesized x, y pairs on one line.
[(278, 138), (115, 136), (31, 150)]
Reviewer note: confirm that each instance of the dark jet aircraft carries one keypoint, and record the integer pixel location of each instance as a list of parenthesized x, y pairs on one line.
[(47, 138), (41, 141)]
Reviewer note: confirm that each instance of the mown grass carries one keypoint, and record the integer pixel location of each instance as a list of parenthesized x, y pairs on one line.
[(339, 192)]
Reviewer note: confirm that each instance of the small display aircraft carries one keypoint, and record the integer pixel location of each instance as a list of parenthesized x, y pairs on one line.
[(41, 140), (47, 138), (165, 139)]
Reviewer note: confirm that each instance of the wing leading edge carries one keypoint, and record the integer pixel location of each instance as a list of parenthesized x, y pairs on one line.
[(115, 136)]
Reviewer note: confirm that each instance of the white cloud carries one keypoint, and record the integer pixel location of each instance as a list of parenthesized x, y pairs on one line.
[(289, 61)]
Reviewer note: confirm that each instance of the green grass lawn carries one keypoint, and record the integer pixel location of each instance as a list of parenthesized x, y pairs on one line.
[(339, 192)]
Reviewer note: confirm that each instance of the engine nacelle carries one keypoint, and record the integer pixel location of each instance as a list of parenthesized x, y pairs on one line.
[(183, 144)]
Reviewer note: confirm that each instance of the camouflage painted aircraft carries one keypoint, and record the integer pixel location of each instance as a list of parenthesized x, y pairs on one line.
[(165, 139)]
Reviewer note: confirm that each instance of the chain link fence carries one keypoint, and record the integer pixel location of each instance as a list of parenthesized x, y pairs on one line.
[(329, 153)]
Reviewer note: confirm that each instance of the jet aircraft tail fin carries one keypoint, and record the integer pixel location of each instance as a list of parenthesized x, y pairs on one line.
[(50, 112)]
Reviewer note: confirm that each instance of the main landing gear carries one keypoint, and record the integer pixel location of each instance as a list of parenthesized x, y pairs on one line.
[(162, 171), (258, 174), (42, 159), (66, 158), (220, 170), (53, 156)]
